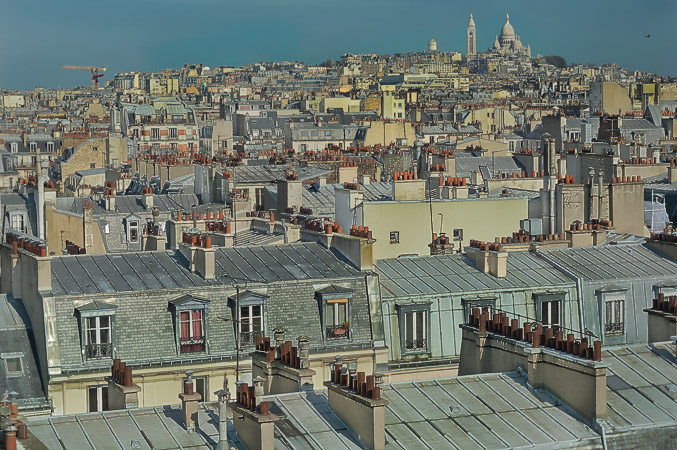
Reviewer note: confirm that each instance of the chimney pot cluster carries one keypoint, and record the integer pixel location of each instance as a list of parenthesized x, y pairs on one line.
[(31, 245), (665, 304), (486, 247), (74, 249), (197, 239), (246, 397), (632, 179), (551, 337), (181, 216), (403, 176), (568, 179), (121, 373), (323, 226), (452, 181), (360, 231), (522, 174), (356, 381), (15, 428)]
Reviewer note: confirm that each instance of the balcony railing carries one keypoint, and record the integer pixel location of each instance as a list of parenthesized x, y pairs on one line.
[(415, 345), (613, 328), (94, 351), (338, 332), (248, 338), (190, 345)]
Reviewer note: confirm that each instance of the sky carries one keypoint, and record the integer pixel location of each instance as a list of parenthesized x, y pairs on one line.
[(38, 37)]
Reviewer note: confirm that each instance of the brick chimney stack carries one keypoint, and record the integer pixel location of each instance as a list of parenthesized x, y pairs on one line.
[(189, 400)]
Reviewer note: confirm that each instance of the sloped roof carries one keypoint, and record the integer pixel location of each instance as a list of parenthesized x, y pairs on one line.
[(430, 275)]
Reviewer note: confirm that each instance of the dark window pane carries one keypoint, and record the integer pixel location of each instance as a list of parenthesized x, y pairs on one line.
[(104, 399), (92, 400), (13, 365)]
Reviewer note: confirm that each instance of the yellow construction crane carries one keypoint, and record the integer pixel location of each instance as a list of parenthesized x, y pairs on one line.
[(94, 70)]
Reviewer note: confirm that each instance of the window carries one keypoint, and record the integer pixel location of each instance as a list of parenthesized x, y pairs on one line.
[(18, 222), (50, 146), (191, 335), (413, 327), (614, 314), (172, 132), (335, 308), (550, 312), (97, 398), (336, 316), (251, 323), (15, 147), (190, 323), (415, 331), (155, 133), (13, 364), (201, 387), (33, 146), (394, 237), (98, 337), (92, 165), (133, 231)]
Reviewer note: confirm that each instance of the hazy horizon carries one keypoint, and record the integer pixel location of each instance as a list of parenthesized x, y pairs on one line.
[(40, 37)]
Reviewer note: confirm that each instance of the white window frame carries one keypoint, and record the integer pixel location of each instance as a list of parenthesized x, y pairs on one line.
[(610, 314), (335, 307), (155, 133), (416, 315), (50, 146), (547, 307), (6, 357), (173, 133), (14, 147), (22, 218), (191, 332), (133, 225), (101, 393), (394, 237), (97, 328), (33, 146), (250, 318)]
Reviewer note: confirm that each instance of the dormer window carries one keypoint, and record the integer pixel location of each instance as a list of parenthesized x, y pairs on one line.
[(96, 329), (190, 320), (249, 319), (14, 147), (33, 146), (334, 302), (132, 229)]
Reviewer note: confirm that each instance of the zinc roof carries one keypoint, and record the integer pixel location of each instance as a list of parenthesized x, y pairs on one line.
[(93, 274), (429, 275), (612, 262)]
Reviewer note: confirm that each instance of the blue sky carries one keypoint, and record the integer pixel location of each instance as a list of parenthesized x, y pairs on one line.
[(37, 37)]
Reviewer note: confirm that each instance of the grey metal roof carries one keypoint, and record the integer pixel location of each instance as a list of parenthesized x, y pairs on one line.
[(465, 165), (93, 274), (613, 262), (129, 204), (639, 383), (429, 275), (323, 202), (142, 428), (477, 411), (16, 337), (268, 174)]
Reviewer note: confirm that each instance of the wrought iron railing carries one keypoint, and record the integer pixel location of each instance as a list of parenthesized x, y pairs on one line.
[(93, 351), (338, 332), (412, 345), (613, 328), (195, 344), (248, 338)]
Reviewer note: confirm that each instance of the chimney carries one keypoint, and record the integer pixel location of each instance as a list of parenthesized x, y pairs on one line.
[(365, 180), (147, 198), (223, 420), (355, 399), (254, 426), (189, 400), (280, 369), (87, 227), (489, 258), (205, 257), (289, 194), (569, 368), (123, 393), (409, 189), (662, 317), (110, 199), (347, 174)]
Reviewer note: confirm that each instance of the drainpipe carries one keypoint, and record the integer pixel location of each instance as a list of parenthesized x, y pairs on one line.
[(552, 209)]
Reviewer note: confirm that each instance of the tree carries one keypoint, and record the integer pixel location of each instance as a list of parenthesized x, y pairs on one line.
[(556, 61)]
